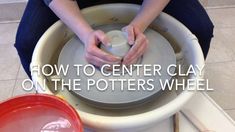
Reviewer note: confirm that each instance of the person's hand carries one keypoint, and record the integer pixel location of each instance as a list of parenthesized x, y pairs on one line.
[(94, 55), (139, 43)]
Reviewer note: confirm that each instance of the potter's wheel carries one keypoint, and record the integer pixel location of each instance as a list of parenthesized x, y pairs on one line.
[(159, 52)]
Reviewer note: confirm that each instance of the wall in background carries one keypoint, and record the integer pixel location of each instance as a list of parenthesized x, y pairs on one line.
[(204, 2), (216, 3), (12, 10), (12, 1)]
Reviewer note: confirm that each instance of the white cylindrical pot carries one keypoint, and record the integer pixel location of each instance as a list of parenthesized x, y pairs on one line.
[(185, 44)]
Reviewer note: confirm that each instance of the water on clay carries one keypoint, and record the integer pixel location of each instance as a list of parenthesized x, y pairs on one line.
[(37, 119)]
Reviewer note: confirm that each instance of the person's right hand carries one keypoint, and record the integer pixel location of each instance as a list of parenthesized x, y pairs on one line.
[(94, 55)]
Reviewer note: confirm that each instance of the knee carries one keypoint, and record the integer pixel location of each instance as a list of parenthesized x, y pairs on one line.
[(24, 44), (204, 31), (19, 45)]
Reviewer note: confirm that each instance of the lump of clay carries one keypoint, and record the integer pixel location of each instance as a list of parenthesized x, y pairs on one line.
[(119, 44)]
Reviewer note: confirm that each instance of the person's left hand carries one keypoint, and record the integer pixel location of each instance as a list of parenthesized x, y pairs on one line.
[(139, 43)]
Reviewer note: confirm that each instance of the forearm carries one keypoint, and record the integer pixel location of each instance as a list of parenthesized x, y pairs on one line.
[(150, 9), (69, 12)]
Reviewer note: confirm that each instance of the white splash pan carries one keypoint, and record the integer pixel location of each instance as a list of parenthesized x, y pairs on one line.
[(187, 50)]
